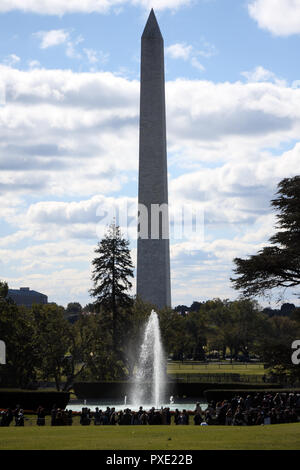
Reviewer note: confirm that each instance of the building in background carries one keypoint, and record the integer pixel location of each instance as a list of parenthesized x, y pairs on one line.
[(25, 296)]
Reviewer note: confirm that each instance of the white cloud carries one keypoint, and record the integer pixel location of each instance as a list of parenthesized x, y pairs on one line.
[(88, 218), (11, 60), (94, 56), (91, 55), (188, 53), (195, 63), (260, 74), (222, 122), (71, 50), (34, 64), (77, 116), (58, 7), (207, 49), (87, 121), (160, 4), (75, 136), (62, 285), (239, 191), (179, 51), (52, 38), (58, 37), (49, 254), (280, 17)]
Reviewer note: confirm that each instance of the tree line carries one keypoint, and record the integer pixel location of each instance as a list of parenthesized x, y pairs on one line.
[(43, 345), (103, 342)]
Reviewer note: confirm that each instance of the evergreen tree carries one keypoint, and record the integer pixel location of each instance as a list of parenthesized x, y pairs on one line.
[(277, 265), (3, 290), (112, 270)]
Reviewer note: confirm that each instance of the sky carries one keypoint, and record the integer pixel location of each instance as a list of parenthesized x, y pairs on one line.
[(69, 114)]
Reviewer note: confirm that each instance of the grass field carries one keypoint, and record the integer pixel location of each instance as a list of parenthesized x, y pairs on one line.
[(274, 437)]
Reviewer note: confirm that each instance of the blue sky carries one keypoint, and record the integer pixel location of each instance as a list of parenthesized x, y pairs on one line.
[(237, 42), (69, 91)]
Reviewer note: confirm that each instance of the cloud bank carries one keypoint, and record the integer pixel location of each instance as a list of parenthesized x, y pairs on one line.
[(69, 146), (279, 17), (58, 7)]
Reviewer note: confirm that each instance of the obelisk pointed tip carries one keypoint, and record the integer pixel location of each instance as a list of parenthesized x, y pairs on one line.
[(152, 29)]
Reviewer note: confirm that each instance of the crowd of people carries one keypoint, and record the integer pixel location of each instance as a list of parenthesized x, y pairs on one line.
[(9, 415), (125, 417), (257, 409)]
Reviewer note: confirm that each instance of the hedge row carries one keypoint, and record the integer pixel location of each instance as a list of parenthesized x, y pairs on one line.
[(31, 399), (117, 390)]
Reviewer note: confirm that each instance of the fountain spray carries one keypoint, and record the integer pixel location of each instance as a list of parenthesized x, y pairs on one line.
[(150, 378)]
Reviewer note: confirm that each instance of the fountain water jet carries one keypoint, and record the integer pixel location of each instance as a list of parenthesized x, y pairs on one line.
[(150, 380)]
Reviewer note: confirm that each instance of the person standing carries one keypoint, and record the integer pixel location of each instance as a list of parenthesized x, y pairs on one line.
[(53, 416), (20, 418), (40, 416)]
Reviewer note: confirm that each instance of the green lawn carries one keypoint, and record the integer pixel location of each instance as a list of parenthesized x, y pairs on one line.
[(274, 437), (236, 368)]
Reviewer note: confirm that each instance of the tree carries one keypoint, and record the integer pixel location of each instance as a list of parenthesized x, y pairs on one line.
[(197, 328), (73, 311), (248, 322), (274, 345), (53, 348), (89, 352), (277, 265), (3, 290), (18, 331), (132, 336), (224, 332), (182, 309), (175, 337), (195, 307), (111, 275), (232, 325)]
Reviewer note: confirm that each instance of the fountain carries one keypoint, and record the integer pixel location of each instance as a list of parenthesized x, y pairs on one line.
[(150, 380), (149, 388)]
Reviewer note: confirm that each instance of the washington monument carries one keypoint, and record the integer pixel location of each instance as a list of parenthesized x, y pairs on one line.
[(153, 252)]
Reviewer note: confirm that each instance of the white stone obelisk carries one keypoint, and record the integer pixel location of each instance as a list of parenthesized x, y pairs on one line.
[(153, 252)]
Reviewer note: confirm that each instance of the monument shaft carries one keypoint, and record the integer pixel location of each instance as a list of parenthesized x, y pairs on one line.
[(153, 255)]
